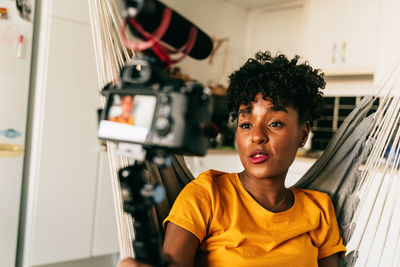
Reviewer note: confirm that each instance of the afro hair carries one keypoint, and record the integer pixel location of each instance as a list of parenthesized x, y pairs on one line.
[(282, 81)]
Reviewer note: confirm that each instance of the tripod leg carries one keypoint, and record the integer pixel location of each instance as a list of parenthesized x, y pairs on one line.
[(139, 198)]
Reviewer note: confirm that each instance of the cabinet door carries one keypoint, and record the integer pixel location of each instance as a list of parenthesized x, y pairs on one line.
[(65, 183), (360, 32), (10, 188), (270, 29), (389, 39), (323, 33), (105, 232)]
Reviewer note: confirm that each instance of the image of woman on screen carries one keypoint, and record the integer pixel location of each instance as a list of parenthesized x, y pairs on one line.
[(126, 104)]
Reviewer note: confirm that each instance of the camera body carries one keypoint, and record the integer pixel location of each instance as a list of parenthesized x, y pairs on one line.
[(150, 108)]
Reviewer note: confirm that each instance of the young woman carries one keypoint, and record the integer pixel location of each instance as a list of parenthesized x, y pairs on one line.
[(251, 218)]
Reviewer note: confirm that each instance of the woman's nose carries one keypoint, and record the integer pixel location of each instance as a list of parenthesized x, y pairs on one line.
[(259, 135)]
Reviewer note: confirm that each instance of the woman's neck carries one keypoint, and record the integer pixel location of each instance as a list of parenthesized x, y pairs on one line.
[(270, 193)]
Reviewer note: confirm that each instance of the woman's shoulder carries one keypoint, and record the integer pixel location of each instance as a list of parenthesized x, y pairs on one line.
[(311, 193), (310, 198), (211, 180), (213, 176)]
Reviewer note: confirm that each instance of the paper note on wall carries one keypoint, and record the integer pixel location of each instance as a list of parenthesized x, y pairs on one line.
[(3, 13), (8, 48)]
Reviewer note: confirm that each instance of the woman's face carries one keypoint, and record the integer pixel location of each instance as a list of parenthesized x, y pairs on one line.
[(127, 105), (268, 137)]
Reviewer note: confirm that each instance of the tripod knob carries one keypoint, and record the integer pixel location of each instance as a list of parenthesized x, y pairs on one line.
[(154, 191)]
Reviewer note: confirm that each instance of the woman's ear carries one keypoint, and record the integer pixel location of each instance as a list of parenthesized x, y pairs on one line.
[(304, 132)]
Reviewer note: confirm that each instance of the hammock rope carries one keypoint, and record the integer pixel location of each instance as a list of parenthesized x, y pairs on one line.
[(111, 55), (376, 219)]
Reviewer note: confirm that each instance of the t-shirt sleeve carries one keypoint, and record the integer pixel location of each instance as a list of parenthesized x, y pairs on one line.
[(327, 236), (192, 208)]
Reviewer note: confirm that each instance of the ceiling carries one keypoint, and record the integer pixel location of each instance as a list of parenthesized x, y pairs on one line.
[(250, 4)]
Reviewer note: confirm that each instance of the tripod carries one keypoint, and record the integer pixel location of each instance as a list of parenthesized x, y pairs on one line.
[(139, 198)]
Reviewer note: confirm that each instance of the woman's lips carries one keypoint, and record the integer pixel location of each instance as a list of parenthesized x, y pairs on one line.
[(258, 157)]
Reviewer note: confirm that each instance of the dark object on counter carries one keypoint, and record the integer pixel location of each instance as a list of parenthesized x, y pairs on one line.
[(220, 116)]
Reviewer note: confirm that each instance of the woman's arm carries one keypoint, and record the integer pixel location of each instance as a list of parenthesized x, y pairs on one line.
[(180, 244), (180, 248), (330, 261)]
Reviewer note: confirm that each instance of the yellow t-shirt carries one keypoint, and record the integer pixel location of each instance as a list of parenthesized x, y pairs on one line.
[(234, 230), (121, 119)]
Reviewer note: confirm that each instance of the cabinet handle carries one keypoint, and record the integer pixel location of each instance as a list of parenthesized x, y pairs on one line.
[(344, 46), (11, 150), (334, 53), (11, 147)]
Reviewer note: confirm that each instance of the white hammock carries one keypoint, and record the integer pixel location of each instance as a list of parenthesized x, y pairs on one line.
[(376, 220), (365, 195), (111, 55)]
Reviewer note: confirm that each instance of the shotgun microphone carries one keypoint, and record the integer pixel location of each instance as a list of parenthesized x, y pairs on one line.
[(149, 13)]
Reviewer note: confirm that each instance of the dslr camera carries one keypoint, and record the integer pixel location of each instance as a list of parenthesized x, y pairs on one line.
[(150, 108)]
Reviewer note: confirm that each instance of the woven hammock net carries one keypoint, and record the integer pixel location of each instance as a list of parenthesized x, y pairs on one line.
[(359, 167)]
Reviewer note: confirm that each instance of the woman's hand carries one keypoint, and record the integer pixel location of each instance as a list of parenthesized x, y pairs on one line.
[(129, 262), (180, 247), (330, 261)]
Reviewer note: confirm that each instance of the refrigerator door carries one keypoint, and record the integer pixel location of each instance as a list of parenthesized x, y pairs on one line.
[(15, 61)]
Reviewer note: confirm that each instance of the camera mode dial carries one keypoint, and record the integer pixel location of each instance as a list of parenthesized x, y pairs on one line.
[(163, 125)]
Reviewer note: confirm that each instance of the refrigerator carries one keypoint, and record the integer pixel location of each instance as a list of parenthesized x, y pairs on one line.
[(15, 66)]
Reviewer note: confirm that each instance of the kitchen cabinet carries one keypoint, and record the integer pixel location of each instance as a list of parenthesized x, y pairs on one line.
[(105, 231), (270, 29), (65, 181), (388, 39), (341, 36), (359, 34)]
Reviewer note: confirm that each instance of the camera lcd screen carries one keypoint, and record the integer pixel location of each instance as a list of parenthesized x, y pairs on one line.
[(129, 118)]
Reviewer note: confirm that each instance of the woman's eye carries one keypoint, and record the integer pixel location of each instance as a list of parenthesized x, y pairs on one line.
[(276, 124), (245, 125)]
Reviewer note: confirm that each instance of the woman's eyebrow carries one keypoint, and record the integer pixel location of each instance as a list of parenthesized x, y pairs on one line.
[(277, 108), (245, 111)]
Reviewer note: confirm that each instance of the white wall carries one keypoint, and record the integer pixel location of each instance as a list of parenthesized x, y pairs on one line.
[(218, 19)]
